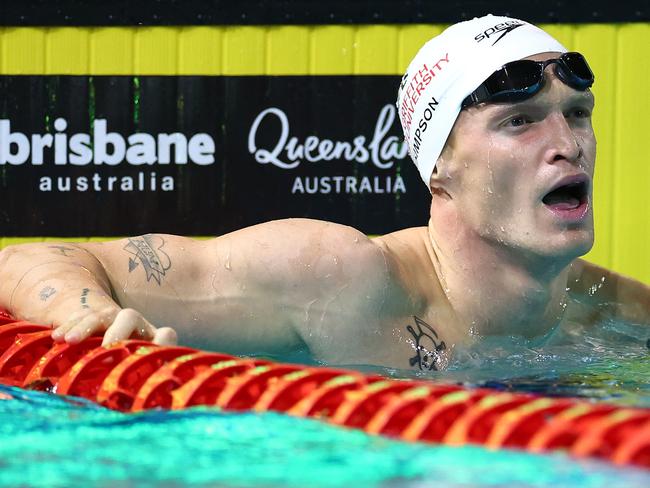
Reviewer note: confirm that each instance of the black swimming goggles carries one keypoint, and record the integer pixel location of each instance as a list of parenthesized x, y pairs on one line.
[(519, 80)]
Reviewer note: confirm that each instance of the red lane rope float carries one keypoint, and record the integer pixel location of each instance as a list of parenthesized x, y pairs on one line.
[(137, 375)]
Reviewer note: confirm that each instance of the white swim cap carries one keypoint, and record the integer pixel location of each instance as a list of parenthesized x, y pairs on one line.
[(451, 66)]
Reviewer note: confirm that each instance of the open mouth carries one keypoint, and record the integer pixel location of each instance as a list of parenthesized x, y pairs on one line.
[(570, 196)]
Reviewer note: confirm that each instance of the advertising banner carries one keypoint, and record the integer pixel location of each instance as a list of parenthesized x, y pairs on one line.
[(202, 155)]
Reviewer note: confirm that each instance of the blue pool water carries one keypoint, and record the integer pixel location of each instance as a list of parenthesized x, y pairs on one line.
[(47, 441), (52, 441)]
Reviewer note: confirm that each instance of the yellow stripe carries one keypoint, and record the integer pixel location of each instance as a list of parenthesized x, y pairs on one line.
[(66, 51), (631, 130), (244, 51), (287, 50), (332, 51), (111, 51), (23, 51), (236, 50), (200, 50), (155, 50)]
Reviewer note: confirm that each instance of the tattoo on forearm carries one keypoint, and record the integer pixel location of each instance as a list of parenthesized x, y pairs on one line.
[(46, 293), (84, 298), (147, 251), (427, 346), (64, 250)]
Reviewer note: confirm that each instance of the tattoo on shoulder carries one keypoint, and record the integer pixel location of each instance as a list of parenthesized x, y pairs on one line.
[(148, 252), (427, 345), (46, 293), (64, 250)]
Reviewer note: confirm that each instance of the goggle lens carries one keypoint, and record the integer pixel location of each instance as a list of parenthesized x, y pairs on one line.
[(578, 69), (522, 79)]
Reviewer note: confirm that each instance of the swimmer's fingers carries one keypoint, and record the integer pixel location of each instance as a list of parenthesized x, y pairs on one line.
[(165, 336), (61, 329), (84, 324), (130, 324), (116, 324)]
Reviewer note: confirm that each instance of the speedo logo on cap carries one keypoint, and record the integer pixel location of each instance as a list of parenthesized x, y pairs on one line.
[(500, 30)]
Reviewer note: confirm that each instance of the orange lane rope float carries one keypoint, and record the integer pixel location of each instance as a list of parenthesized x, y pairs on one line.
[(136, 375)]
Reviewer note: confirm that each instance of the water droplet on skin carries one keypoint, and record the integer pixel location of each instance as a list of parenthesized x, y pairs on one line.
[(502, 229), (227, 263)]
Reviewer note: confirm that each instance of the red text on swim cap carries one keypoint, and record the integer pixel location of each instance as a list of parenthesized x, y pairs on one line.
[(418, 84)]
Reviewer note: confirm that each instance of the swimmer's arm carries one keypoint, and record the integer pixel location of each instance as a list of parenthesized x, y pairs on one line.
[(609, 294), (290, 284), (64, 285), (272, 287)]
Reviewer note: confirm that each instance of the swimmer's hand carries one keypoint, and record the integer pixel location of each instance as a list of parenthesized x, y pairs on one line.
[(66, 286), (116, 324)]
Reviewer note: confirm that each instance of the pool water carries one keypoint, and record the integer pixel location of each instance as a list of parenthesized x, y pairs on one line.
[(51, 441)]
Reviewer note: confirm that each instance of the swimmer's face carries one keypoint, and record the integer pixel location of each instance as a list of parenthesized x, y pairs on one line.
[(503, 162)]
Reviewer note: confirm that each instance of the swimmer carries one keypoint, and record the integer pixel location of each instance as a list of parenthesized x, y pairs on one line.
[(497, 116)]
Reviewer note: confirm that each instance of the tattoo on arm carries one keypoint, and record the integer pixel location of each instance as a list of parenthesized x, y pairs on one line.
[(46, 293), (64, 250), (147, 251), (84, 298), (427, 346)]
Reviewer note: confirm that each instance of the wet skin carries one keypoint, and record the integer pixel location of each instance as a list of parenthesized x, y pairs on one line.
[(488, 218)]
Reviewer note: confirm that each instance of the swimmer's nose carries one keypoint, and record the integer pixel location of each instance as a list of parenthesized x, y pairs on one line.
[(563, 144)]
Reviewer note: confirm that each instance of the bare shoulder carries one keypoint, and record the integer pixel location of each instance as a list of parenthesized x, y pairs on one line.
[(303, 247), (409, 254), (607, 294), (412, 239)]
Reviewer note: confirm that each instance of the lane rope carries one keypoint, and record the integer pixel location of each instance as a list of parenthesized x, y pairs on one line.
[(136, 375)]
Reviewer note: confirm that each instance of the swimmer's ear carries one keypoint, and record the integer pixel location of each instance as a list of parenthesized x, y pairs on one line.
[(437, 184)]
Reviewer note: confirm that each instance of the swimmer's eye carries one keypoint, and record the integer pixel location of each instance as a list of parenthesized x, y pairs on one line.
[(517, 121), (579, 113)]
